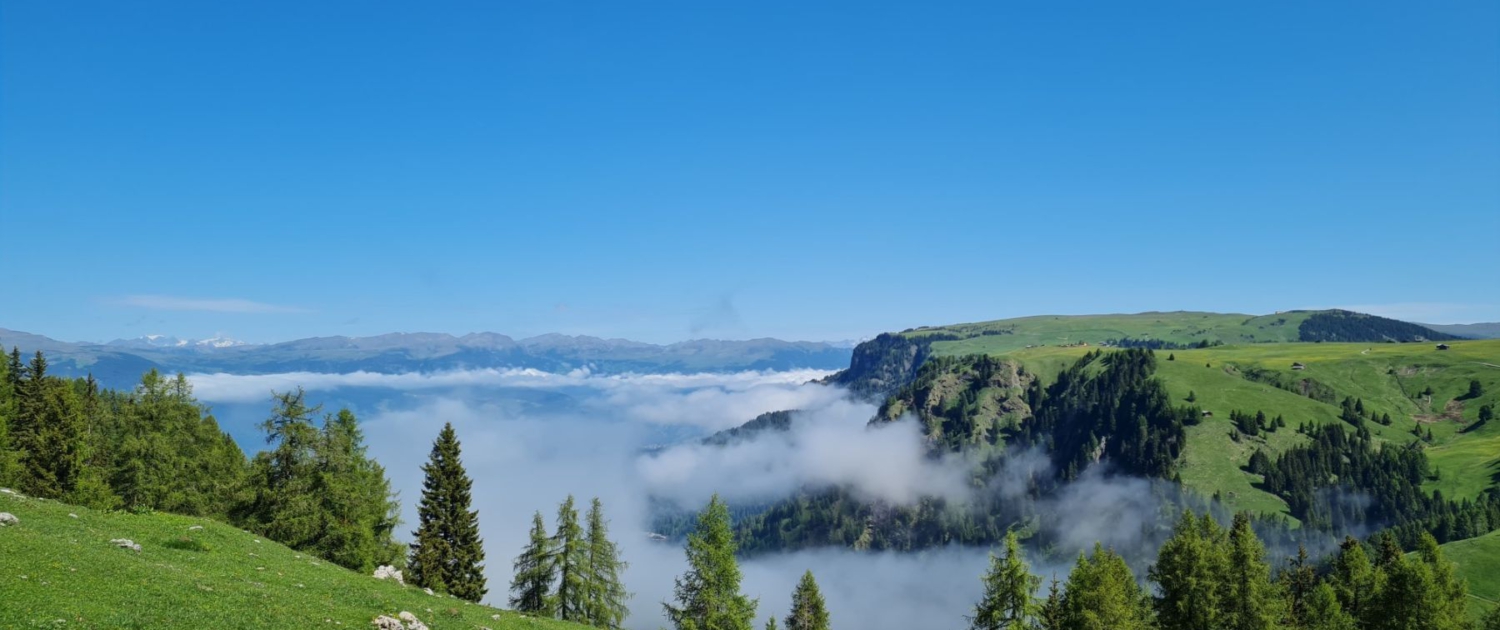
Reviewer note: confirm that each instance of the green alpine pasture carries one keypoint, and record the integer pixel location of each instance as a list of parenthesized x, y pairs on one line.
[(58, 569), (1478, 561), (1390, 378)]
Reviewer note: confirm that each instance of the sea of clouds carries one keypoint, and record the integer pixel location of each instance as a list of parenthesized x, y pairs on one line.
[(531, 438)]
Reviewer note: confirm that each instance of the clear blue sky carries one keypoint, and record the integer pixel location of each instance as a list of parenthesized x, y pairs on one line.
[(812, 170)]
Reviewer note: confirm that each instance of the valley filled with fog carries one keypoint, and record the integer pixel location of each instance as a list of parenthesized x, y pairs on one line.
[(531, 438)]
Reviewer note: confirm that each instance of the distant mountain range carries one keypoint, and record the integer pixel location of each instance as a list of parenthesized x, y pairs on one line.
[(1473, 331), (121, 362)]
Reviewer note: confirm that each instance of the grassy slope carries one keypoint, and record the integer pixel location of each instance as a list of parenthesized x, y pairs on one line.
[(1478, 561), (1181, 327), (55, 567), (1386, 376)]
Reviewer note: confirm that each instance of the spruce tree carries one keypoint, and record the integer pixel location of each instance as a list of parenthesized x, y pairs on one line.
[(571, 560), (606, 595), (1050, 615), (447, 554), (1297, 582), (808, 610), (1102, 594), (1354, 582), (1251, 601), (531, 588), (771, 623), (708, 595), (1009, 588), (359, 510)]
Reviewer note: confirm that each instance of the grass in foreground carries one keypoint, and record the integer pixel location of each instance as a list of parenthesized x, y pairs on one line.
[(57, 571)]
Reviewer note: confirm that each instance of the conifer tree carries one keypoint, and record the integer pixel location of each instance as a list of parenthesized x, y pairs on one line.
[(1353, 581), (1251, 601), (531, 588), (1050, 614), (359, 510), (606, 594), (1009, 591), (1298, 582), (771, 623), (1189, 573), (1491, 620), (447, 554), (570, 557), (1101, 594), (808, 610), (1323, 611), (285, 507), (708, 595)]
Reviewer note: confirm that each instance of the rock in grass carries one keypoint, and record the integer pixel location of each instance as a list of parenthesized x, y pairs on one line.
[(402, 621), (6, 518), (388, 572), (126, 543)]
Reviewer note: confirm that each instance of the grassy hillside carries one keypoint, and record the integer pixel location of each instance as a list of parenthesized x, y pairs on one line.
[(1387, 377), (1478, 561), (1181, 327), (60, 571)]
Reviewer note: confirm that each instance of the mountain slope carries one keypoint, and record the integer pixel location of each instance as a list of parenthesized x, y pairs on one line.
[(57, 567)]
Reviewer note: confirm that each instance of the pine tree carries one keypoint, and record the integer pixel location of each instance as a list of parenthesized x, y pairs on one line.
[(571, 560), (531, 588), (771, 623), (606, 595), (49, 434), (808, 610), (447, 554), (1189, 573), (708, 595), (1251, 601), (1101, 594), (1009, 588)]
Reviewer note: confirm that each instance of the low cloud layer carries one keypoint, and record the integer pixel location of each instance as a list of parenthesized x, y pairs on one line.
[(526, 457)]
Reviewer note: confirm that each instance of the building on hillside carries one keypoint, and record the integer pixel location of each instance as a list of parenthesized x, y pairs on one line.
[(1208, 414), (1442, 346), (1298, 366)]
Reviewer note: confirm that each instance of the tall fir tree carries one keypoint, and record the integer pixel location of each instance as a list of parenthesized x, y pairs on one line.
[(285, 506), (1102, 594), (708, 595), (1251, 601), (1298, 582), (808, 612), (771, 623), (606, 595), (531, 587), (1009, 591), (447, 554), (1050, 615)]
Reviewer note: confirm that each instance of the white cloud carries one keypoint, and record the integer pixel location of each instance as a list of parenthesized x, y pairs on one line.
[(215, 305)]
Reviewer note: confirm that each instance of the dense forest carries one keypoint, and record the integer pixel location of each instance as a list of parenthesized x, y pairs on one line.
[(1348, 326)]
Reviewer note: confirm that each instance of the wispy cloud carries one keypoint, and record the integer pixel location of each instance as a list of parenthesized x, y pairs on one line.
[(213, 305)]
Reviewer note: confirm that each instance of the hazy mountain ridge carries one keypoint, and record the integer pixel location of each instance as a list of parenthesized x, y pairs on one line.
[(120, 363)]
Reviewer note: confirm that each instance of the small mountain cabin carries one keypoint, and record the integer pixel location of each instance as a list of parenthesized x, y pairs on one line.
[(1298, 366), (1442, 346)]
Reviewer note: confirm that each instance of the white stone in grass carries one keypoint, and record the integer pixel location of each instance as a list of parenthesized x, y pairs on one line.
[(386, 622), (72, 515), (428, 591), (126, 543), (6, 518), (412, 623), (388, 572), (195, 528)]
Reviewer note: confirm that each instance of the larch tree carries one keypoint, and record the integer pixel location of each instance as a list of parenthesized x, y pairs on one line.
[(447, 554), (1102, 594), (708, 595), (1009, 591), (606, 592), (1189, 574), (531, 587), (808, 612), (570, 557), (1251, 601)]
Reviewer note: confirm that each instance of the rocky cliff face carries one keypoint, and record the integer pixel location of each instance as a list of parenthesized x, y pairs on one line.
[(881, 366)]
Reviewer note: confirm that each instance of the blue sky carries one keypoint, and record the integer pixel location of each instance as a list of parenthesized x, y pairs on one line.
[(662, 171)]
